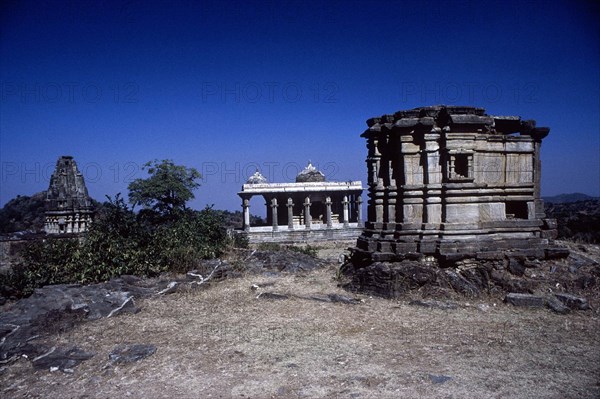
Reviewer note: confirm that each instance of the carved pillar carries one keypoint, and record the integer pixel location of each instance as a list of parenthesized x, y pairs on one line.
[(69, 224), (274, 214), (345, 205), (307, 217), (433, 178), (328, 205), (290, 209), (376, 188), (359, 220), (537, 179), (246, 207)]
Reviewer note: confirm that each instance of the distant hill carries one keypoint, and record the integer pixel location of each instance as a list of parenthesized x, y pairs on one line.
[(565, 198), (23, 213)]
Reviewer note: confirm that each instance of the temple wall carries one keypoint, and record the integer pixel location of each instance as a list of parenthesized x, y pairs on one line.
[(435, 177)]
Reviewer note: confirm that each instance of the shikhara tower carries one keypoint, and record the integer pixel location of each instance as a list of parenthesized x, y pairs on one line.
[(68, 205)]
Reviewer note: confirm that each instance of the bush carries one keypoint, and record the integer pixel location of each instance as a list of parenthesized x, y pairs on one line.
[(121, 242), (44, 262)]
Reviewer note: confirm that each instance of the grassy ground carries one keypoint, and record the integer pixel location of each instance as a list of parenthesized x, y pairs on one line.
[(222, 342)]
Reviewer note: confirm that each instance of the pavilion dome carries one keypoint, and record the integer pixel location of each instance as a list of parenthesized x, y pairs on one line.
[(310, 174), (257, 178)]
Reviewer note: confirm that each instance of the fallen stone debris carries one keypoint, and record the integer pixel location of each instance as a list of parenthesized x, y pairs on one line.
[(560, 302), (130, 353)]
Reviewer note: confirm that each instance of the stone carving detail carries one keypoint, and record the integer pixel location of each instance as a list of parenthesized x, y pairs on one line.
[(68, 205)]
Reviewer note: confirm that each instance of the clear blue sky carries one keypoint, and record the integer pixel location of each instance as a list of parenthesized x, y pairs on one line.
[(224, 86)]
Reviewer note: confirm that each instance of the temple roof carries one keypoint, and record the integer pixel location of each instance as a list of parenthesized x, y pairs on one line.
[(454, 116), (67, 190), (310, 174), (257, 178)]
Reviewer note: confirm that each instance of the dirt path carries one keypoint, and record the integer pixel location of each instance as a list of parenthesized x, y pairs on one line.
[(222, 342)]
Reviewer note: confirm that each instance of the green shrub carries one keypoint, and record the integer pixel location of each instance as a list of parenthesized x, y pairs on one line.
[(121, 242)]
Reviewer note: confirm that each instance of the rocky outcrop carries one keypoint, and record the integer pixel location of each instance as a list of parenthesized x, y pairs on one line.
[(512, 274)]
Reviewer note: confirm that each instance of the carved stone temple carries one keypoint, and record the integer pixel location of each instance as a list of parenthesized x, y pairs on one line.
[(68, 205), (449, 182), (310, 209)]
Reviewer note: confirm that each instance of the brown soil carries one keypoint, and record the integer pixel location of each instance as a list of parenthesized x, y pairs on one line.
[(220, 341)]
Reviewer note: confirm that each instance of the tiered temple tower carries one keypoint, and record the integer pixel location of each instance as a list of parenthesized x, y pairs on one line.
[(69, 207)]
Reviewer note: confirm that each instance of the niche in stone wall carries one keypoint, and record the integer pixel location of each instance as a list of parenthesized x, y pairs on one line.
[(460, 166), (517, 210)]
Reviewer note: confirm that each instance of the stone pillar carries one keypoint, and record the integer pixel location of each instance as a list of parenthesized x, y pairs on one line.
[(433, 179), (246, 207), (307, 217), (345, 205), (69, 224), (537, 179), (359, 220), (328, 205), (376, 187), (290, 208), (274, 214)]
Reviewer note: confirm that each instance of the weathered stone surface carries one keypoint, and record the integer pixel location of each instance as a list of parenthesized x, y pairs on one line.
[(283, 261), (516, 266), (573, 301), (130, 353), (556, 305), (61, 359), (526, 300), (272, 295), (57, 308), (461, 284)]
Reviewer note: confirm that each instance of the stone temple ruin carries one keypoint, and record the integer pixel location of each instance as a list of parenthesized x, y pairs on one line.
[(310, 209), (68, 205), (447, 183)]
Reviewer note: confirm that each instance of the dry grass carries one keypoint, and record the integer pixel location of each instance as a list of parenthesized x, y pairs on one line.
[(222, 342)]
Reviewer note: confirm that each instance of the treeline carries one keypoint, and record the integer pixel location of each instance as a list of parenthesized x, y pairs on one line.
[(26, 214)]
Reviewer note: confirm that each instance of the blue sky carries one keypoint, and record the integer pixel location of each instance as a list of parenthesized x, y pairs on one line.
[(226, 86)]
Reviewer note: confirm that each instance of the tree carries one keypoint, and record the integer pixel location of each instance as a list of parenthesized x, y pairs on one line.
[(167, 189)]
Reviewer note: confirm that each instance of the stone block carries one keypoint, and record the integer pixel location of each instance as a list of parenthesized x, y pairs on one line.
[(556, 305), (525, 300), (573, 301)]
